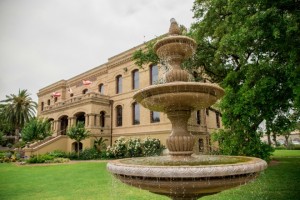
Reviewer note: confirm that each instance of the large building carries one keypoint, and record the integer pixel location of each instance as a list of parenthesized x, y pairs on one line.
[(102, 99)]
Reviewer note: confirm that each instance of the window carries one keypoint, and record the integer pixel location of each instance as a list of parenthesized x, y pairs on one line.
[(119, 84), (48, 102), (101, 88), (207, 111), (102, 118), (55, 99), (135, 79), (217, 120), (42, 106), (84, 91), (135, 113), (154, 116), (119, 115), (198, 117), (71, 95), (153, 74)]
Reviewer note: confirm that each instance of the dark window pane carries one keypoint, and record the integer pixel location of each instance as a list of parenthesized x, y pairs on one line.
[(153, 74), (119, 115), (135, 79), (136, 113), (154, 116)]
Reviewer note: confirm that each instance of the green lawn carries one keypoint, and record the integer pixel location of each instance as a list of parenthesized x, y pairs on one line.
[(91, 181)]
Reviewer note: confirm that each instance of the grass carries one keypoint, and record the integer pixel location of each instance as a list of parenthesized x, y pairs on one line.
[(90, 180)]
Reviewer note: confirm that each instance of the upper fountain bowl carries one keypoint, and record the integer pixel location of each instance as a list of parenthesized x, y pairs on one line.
[(179, 96), (181, 47)]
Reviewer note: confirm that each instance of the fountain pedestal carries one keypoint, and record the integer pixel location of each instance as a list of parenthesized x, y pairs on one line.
[(180, 142)]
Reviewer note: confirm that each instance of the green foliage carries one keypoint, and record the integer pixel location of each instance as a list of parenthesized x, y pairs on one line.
[(39, 158), (16, 110), (90, 154), (118, 149), (36, 129), (99, 144), (78, 132), (58, 154), (145, 56), (239, 143), (134, 147), (152, 147), (250, 48)]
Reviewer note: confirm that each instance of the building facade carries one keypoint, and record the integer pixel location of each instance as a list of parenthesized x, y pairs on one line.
[(102, 99)]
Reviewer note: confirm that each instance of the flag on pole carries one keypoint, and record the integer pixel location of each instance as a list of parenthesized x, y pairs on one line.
[(86, 82), (56, 94)]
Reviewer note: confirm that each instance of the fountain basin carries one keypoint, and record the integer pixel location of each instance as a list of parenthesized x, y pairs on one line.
[(179, 96), (184, 177)]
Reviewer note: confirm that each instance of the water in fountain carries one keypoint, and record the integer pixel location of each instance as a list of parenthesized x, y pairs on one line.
[(182, 175)]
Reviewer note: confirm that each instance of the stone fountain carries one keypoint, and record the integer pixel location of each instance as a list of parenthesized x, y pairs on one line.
[(181, 175)]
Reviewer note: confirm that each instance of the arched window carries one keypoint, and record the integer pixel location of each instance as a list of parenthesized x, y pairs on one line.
[(102, 118), (198, 117), (75, 147), (135, 113), (48, 102), (42, 106), (84, 91), (119, 115), (101, 88), (153, 74), (119, 84), (154, 116), (55, 99), (135, 79)]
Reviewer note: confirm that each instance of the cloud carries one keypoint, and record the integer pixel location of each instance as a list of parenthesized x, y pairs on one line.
[(45, 41)]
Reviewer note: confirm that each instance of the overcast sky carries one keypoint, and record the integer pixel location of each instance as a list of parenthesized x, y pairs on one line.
[(44, 41)]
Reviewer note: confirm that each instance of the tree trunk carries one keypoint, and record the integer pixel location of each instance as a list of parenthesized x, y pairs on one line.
[(269, 138), (274, 139), (286, 140)]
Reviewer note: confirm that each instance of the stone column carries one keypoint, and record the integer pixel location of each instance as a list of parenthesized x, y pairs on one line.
[(86, 120), (58, 127), (97, 120), (91, 120)]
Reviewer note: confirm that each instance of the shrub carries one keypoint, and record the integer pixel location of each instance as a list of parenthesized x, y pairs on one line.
[(40, 158), (89, 154), (58, 154), (118, 149), (134, 147), (152, 147)]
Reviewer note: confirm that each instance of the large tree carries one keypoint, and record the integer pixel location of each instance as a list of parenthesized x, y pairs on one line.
[(252, 49), (18, 109)]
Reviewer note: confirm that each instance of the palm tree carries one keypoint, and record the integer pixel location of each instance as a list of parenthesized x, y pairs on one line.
[(18, 109)]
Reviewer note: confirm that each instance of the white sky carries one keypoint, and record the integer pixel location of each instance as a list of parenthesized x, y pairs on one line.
[(44, 41)]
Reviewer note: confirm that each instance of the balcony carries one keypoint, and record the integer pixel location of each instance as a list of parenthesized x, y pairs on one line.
[(90, 97)]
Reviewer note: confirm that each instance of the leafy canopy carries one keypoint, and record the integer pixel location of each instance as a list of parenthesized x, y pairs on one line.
[(36, 129)]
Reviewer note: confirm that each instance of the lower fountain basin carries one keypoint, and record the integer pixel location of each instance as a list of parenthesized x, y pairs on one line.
[(187, 177), (179, 96)]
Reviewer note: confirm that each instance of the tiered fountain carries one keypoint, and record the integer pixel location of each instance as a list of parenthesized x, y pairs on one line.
[(182, 175)]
